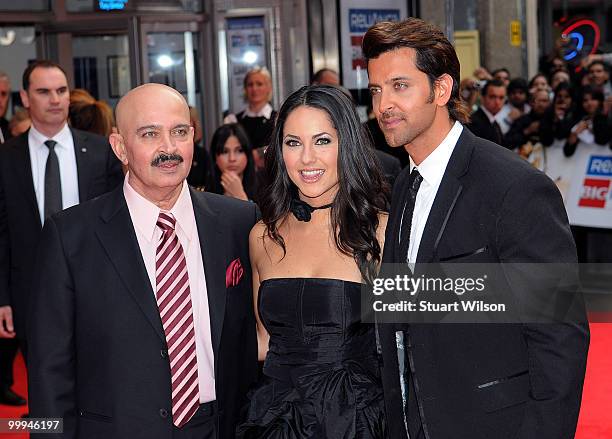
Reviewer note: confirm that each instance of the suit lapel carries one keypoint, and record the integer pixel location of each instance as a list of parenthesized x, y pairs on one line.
[(211, 232), (117, 236), (448, 194), (23, 167), (82, 160)]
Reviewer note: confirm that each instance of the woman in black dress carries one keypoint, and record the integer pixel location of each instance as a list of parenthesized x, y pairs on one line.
[(320, 239)]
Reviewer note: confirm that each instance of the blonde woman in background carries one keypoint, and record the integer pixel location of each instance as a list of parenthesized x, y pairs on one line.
[(257, 118)]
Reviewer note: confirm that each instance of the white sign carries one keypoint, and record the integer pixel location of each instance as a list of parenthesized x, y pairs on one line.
[(246, 47), (587, 183), (356, 16)]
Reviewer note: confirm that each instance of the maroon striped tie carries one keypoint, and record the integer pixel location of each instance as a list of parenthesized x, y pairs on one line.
[(174, 302)]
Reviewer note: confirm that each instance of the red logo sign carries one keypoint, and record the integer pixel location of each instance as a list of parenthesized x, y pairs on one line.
[(594, 193), (357, 58)]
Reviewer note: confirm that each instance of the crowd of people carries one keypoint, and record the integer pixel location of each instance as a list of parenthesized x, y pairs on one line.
[(559, 105), (145, 274)]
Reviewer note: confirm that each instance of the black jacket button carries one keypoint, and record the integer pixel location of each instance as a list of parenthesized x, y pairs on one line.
[(164, 353), (163, 413)]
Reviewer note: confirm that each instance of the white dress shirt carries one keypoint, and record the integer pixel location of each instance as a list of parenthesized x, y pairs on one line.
[(432, 170), (266, 111), (503, 117), (64, 149), (144, 216)]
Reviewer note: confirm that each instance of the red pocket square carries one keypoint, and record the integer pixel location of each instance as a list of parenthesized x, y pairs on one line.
[(234, 273)]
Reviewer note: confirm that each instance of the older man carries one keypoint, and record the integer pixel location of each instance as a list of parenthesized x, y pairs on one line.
[(142, 322)]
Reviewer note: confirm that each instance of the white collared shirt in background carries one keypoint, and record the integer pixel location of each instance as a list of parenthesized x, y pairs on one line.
[(144, 216), (432, 170), (503, 118), (66, 157), (266, 112)]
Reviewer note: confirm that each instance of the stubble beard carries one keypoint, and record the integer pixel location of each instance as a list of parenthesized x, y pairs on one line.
[(398, 137)]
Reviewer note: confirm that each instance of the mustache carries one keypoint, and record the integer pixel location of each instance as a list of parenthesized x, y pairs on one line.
[(163, 157), (390, 115)]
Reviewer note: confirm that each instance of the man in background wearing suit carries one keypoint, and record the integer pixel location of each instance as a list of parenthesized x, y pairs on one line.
[(465, 199), (484, 121), (46, 169), (141, 322), (8, 347), (5, 91)]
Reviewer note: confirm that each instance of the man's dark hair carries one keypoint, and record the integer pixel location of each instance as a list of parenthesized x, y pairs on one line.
[(435, 55), (605, 66), (316, 78), (501, 69), (42, 63), (492, 83), (518, 84)]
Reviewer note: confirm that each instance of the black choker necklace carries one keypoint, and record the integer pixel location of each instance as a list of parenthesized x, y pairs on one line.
[(303, 211)]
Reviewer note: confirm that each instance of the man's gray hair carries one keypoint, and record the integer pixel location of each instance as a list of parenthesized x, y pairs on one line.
[(4, 77)]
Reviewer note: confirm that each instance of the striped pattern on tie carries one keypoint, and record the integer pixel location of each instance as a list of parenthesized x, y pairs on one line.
[(175, 309)]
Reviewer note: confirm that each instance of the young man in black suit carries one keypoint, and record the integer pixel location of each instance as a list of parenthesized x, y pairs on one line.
[(483, 121), (465, 199), (37, 180), (141, 324)]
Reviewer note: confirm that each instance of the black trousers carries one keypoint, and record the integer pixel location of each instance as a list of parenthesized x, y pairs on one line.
[(203, 424), (8, 352)]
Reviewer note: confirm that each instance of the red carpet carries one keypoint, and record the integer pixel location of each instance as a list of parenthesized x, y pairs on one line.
[(21, 388), (595, 420)]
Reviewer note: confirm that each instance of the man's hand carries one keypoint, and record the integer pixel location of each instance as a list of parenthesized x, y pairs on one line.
[(587, 60), (514, 114), (6, 322), (581, 126), (532, 128), (482, 74), (232, 185)]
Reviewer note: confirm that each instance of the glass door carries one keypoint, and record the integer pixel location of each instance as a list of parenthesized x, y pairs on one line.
[(171, 55), (102, 66)]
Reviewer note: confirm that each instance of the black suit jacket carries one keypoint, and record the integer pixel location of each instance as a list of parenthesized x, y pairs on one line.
[(97, 346), (481, 127), (390, 166), (5, 129), (491, 207), (98, 170)]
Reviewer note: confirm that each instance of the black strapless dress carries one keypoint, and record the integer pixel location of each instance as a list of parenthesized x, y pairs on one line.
[(321, 375)]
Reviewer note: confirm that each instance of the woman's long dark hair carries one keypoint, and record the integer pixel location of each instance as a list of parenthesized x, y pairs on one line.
[(362, 191), (217, 144), (596, 94)]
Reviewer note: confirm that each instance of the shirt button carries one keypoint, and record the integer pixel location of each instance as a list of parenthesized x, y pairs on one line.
[(164, 353), (163, 413)]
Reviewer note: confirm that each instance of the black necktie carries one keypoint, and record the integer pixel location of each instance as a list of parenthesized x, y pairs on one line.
[(53, 184), (414, 182), (498, 133)]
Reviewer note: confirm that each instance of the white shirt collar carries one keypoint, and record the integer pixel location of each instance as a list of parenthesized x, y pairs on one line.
[(488, 114), (144, 213), (433, 167), (38, 139), (266, 112)]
